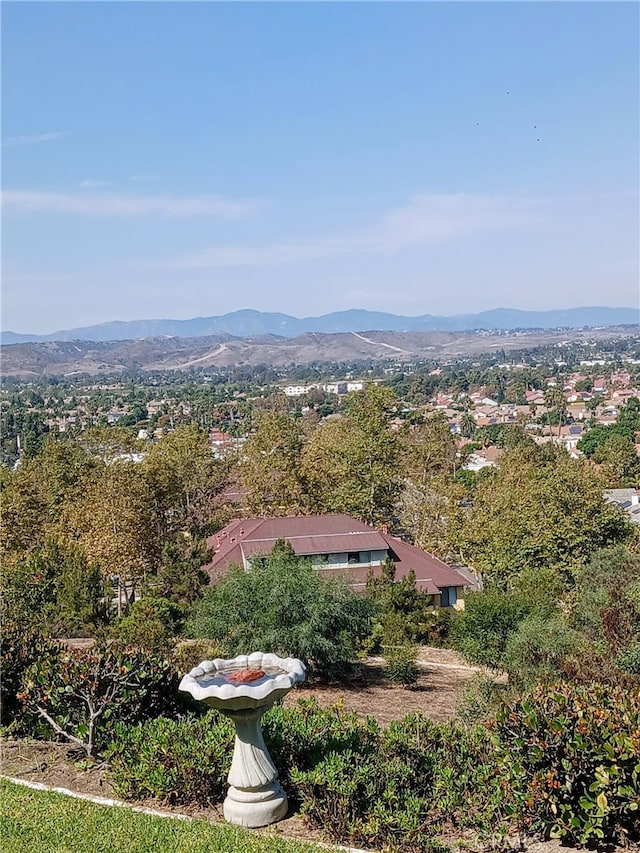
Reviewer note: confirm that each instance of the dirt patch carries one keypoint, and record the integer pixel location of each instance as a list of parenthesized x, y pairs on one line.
[(436, 693)]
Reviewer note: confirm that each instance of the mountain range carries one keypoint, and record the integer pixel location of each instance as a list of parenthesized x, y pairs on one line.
[(212, 352), (247, 323)]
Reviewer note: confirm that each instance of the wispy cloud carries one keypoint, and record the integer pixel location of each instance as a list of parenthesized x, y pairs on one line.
[(434, 217), (126, 204), (32, 139), (426, 219), (91, 184), (256, 256)]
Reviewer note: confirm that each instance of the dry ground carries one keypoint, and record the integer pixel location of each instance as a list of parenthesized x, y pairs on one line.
[(443, 675)]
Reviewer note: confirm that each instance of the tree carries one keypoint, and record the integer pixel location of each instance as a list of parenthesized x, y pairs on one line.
[(271, 466), (556, 404), (53, 590), (606, 611), (539, 509), (620, 461), (108, 443), (428, 496), (403, 614), (351, 464), (429, 450), (467, 425), (113, 521), (184, 479), (482, 630), (282, 605)]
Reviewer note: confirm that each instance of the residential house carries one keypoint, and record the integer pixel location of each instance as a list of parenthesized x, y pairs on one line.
[(626, 499), (335, 544)]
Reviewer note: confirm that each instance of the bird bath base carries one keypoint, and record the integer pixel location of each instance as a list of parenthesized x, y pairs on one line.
[(242, 689), (255, 797)]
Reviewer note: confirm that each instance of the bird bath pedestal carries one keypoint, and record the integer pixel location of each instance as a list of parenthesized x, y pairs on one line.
[(243, 688)]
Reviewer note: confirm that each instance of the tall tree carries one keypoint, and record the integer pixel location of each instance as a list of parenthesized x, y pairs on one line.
[(428, 496), (271, 466), (351, 463), (184, 478), (113, 521), (539, 509)]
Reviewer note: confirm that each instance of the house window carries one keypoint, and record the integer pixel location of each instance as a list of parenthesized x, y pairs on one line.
[(448, 596), (358, 557)]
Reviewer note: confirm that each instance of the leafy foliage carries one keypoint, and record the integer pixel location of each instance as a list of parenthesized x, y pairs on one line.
[(541, 509), (482, 630), (81, 694), (176, 761), (54, 590), (400, 666), (571, 757), (282, 605), (150, 624), (403, 614), (20, 647), (271, 468), (351, 464), (606, 612)]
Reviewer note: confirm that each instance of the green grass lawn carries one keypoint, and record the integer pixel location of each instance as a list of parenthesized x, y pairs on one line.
[(44, 822)]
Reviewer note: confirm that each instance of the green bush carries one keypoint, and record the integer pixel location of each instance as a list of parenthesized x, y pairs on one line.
[(80, 695), (282, 605), (300, 737), (571, 755), (400, 666), (176, 761), (482, 630), (539, 649), (19, 648), (357, 782), (420, 778), (53, 590), (363, 800), (151, 624)]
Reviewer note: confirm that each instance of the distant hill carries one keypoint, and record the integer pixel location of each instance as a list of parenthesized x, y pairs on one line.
[(246, 323), (94, 358)]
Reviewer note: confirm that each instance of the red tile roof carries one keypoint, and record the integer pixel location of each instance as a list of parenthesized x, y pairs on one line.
[(327, 534)]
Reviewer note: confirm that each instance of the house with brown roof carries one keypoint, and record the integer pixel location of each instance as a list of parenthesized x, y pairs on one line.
[(335, 544)]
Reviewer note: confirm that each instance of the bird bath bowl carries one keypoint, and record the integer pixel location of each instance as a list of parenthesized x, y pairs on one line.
[(243, 688)]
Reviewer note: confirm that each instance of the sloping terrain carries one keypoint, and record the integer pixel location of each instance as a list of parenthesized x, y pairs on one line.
[(51, 358)]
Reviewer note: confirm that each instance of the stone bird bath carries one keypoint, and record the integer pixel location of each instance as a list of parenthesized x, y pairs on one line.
[(243, 688)]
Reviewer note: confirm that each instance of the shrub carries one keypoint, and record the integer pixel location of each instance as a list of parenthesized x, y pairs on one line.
[(300, 737), (82, 694), (481, 631), (177, 761), (359, 799), (396, 787), (571, 756), (282, 605), (19, 648), (150, 624), (539, 648), (400, 666), (53, 589)]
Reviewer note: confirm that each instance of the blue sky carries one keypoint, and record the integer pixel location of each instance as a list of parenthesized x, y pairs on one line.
[(188, 159)]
